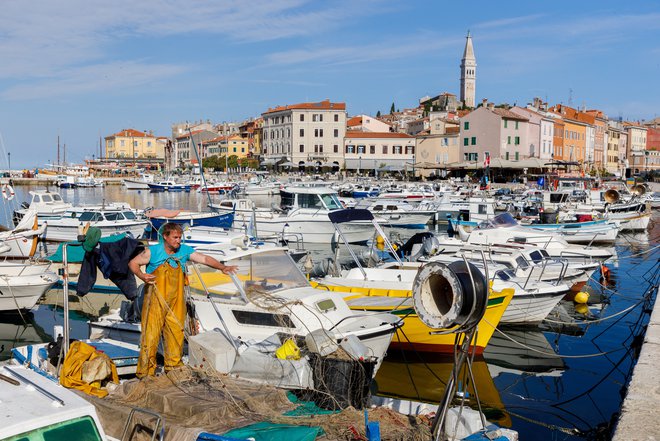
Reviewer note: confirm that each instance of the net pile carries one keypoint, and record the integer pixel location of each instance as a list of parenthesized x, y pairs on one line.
[(192, 401)]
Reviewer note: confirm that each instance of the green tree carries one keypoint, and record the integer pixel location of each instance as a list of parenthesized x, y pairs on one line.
[(392, 109), (233, 161), (378, 114), (212, 162)]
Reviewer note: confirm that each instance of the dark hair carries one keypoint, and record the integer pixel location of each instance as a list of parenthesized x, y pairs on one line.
[(168, 227)]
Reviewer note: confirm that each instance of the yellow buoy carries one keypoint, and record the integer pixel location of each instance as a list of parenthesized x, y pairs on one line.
[(380, 239), (582, 308), (581, 297)]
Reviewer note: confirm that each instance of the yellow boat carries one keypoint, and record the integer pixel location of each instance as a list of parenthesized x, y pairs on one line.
[(389, 289)]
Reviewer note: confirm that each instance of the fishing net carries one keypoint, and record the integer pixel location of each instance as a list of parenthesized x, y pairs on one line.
[(192, 401)]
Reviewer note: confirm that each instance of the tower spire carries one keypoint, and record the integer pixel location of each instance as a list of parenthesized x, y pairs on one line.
[(468, 73)]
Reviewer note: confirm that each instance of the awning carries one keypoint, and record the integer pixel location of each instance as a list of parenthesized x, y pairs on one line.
[(268, 162), (287, 164), (501, 163)]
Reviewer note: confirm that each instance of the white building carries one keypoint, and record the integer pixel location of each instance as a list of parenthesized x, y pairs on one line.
[(305, 133), (366, 123), (378, 150)]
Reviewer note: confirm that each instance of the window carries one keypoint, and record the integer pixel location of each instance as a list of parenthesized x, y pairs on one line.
[(350, 148), (121, 143), (517, 156), (336, 133), (508, 140), (361, 149), (148, 143), (410, 150), (302, 117), (517, 140), (335, 148), (263, 319), (302, 132), (516, 125), (320, 148), (384, 150), (336, 117), (321, 133), (397, 149), (313, 117), (316, 148), (302, 148), (474, 140), (507, 156), (372, 149), (473, 156), (320, 117), (506, 123), (466, 141), (316, 133), (466, 125)]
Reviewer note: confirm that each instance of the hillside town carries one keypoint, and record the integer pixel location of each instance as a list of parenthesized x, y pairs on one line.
[(442, 135)]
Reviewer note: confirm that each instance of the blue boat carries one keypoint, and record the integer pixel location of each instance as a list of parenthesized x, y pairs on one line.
[(168, 186), (192, 219)]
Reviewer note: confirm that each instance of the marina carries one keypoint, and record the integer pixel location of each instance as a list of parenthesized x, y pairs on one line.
[(562, 375)]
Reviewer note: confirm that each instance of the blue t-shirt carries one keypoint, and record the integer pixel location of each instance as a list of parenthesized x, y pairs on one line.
[(159, 256)]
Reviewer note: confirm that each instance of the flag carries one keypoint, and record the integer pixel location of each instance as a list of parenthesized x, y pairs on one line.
[(487, 160)]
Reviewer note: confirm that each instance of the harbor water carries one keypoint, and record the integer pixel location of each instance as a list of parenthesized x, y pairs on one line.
[(564, 379)]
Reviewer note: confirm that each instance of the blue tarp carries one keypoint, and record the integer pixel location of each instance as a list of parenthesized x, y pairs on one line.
[(75, 251)]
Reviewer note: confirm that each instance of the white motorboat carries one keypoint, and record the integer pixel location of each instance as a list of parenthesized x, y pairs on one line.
[(110, 221), (503, 229), (46, 204), (142, 183), (22, 285), (601, 231), (21, 242), (268, 296), (396, 213), (88, 182), (37, 408), (302, 216)]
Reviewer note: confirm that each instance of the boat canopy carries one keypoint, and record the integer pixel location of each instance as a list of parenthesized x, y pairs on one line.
[(350, 214)]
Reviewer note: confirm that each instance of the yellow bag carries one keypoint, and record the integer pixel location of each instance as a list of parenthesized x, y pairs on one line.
[(288, 351)]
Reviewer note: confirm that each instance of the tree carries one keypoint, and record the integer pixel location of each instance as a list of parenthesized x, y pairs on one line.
[(213, 162), (233, 161), (378, 114), (392, 109)]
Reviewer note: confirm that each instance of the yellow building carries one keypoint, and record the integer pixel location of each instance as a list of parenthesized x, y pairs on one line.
[(130, 143), (227, 145)]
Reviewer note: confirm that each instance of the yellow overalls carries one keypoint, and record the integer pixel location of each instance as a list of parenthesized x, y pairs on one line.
[(163, 312)]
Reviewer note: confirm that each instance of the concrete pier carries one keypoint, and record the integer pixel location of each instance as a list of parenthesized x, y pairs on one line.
[(640, 414)]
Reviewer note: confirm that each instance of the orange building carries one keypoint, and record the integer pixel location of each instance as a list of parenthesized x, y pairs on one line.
[(574, 133)]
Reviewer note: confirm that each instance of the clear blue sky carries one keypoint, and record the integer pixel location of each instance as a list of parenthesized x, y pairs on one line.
[(86, 69)]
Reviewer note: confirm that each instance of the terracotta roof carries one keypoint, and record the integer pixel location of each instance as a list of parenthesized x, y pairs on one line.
[(355, 134), (323, 105), (130, 133), (355, 121), (504, 113)]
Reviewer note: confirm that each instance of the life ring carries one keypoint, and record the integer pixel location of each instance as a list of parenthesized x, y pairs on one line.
[(8, 192)]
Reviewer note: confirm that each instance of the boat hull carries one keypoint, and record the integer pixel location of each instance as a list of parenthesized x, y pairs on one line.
[(23, 292), (216, 220)]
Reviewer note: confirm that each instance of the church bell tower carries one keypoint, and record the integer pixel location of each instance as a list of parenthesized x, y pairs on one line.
[(468, 74)]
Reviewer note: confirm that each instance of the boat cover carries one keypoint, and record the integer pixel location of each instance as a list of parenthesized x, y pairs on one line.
[(350, 214)]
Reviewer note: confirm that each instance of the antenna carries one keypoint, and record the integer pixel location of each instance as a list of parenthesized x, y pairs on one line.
[(570, 97)]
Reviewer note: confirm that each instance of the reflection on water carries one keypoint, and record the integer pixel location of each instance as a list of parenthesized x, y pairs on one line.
[(521, 383), (411, 376)]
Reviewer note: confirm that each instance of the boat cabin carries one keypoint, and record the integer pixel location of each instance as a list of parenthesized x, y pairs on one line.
[(310, 197)]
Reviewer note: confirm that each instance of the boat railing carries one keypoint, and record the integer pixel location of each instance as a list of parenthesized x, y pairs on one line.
[(543, 266)]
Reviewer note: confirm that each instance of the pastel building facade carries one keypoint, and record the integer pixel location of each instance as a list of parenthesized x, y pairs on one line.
[(305, 132), (376, 150), (131, 143)]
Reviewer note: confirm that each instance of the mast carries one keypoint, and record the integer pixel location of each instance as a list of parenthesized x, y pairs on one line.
[(58, 149), (201, 168)]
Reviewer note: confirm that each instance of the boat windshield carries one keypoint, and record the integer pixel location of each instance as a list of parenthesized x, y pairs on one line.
[(90, 216), (265, 272), (57, 198), (331, 201), (129, 215), (499, 221)]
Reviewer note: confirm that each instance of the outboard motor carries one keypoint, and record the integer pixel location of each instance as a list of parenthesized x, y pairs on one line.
[(414, 248)]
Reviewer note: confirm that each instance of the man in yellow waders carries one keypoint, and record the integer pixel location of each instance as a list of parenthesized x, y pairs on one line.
[(164, 307)]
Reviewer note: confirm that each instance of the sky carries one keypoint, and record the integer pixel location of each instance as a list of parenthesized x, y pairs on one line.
[(85, 69)]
